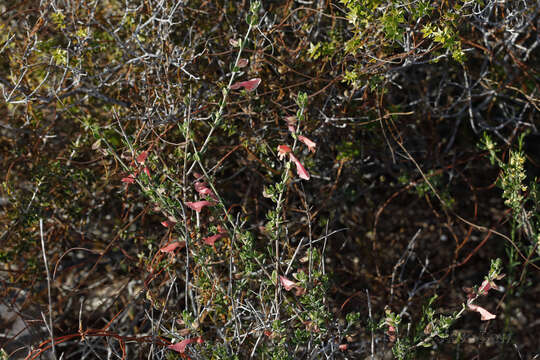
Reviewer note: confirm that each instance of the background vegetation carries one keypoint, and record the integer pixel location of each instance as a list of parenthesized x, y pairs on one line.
[(273, 180)]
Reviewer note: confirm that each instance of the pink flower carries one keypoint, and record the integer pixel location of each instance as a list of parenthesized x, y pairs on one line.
[(146, 171), (242, 63), (142, 157), (484, 314), (130, 179), (212, 239), (249, 85), (198, 205), (310, 144), (283, 150), (171, 247), (181, 346), (300, 168), (286, 283)]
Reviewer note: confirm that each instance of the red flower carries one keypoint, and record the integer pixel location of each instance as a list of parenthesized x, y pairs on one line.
[(130, 179), (171, 247), (289, 285), (212, 239), (198, 205), (283, 150), (286, 283), (300, 168), (181, 346), (249, 85), (310, 144), (142, 157)]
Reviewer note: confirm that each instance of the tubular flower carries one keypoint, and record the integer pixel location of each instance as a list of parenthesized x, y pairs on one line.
[(300, 168), (142, 157), (130, 179), (212, 239), (310, 144), (171, 247), (249, 85), (181, 346), (284, 150), (198, 205), (484, 314)]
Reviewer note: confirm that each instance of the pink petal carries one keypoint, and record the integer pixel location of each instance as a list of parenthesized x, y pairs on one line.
[(198, 205), (242, 63), (283, 150), (130, 179), (310, 144), (142, 157), (146, 171), (287, 284), (484, 314), (171, 247), (212, 239), (249, 85), (300, 168)]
